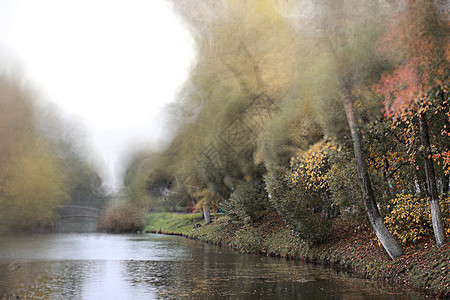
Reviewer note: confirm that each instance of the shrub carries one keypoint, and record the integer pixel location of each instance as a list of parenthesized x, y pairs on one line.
[(300, 209), (121, 217), (309, 169), (206, 199), (344, 186), (409, 219), (312, 165), (247, 203)]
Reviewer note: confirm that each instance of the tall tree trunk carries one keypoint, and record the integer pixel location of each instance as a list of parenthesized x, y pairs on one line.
[(174, 205), (389, 243), (207, 215), (436, 218)]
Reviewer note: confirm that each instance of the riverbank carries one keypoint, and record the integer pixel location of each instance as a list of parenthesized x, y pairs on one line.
[(423, 266)]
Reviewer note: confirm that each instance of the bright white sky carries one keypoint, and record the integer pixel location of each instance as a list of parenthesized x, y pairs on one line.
[(112, 64)]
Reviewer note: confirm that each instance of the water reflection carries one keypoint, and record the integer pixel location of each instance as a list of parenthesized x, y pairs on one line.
[(154, 266)]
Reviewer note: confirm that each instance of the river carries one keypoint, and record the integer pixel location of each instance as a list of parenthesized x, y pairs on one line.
[(150, 266)]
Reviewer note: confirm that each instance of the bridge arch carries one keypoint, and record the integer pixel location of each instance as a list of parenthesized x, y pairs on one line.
[(77, 219)]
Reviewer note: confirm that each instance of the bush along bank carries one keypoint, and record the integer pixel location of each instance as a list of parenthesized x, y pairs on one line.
[(423, 266)]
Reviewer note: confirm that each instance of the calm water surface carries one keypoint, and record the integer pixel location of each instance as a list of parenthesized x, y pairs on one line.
[(148, 266)]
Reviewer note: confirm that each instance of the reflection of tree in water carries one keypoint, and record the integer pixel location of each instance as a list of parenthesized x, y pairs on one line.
[(212, 272), (182, 269), (37, 280)]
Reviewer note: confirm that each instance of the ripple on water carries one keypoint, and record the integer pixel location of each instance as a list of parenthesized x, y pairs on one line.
[(100, 266)]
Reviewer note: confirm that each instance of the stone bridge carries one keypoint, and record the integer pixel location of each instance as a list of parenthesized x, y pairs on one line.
[(80, 219)]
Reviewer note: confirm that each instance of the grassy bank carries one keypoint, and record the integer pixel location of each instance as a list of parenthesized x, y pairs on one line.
[(423, 266)]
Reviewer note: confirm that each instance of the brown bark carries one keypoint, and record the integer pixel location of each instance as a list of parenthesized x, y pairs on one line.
[(389, 243), (436, 218)]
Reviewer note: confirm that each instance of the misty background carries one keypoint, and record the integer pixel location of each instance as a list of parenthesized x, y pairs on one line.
[(107, 68)]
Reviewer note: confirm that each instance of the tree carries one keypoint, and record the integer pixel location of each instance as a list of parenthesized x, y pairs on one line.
[(345, 37), (42, 163), (417, 43), (32, 182), (242, 69), (35, 185), (67, 144)]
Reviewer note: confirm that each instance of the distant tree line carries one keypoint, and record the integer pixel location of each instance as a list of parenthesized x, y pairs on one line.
[(41, 165)]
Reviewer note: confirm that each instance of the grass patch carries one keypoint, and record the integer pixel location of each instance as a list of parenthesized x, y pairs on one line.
[(171, 223)]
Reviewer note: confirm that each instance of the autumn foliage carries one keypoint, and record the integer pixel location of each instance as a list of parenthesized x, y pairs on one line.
[(262, 122), (409, 217)]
